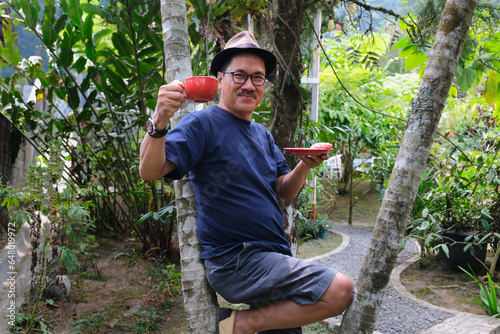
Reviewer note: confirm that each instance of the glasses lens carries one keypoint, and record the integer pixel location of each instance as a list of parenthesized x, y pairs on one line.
[(258, 80), (239, 77)]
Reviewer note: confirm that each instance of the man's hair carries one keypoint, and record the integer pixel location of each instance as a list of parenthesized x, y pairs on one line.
[(226, 64)]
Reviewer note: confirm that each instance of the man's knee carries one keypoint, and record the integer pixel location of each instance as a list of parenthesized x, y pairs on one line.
[(339, 294)]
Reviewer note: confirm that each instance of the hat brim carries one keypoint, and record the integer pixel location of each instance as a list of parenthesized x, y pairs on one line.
[(221, 58)]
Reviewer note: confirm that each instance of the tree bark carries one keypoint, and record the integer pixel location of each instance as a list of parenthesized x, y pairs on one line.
[(200, 300), (286, 91), (423, 120)]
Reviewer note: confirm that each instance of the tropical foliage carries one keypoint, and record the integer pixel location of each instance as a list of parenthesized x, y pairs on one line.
[(94, 98)]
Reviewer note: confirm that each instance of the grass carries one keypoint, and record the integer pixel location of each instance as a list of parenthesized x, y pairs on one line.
[(336, 206), (317, 328), (89, 322), (314, 247)]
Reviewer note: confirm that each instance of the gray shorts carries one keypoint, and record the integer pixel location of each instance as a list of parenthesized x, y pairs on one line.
[(255, 277)]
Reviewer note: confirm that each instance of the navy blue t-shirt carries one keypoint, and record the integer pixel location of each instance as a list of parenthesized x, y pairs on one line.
[(233, 165)]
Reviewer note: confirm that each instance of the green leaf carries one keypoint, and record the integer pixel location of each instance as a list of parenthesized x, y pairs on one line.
[(120, 68), (408, 51), (493, 45), (490, 90), (402, 43), (445, 249), (100, 34), (21, 216), (154, 39), (453, 91), (122, 44), (30, 11), (216, 11), (49, 34), (144, 217), (200, 8), (115, 80), (66, 56), (87, 28), (83, 116), (425, 225), (75, 13), (73, 97), (61, 22), (10, 52), (68, 258), (416, 59), (43, 327), (79, 64), (90, 51), (96, 10), (467, 78)]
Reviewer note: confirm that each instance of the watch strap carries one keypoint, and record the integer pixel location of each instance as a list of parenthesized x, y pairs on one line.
[(154, 132)]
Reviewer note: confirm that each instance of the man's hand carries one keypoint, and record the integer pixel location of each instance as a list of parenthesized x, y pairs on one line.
[(311, 161), (153, 163), (169, 100)]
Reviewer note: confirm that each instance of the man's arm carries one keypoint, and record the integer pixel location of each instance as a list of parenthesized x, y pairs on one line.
[(153, 163), (289, 185)]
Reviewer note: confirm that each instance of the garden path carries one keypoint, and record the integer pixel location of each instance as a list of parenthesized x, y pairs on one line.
[(401, 312)]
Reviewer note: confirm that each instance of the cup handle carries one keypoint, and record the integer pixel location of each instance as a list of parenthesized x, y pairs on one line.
[(182, 85)]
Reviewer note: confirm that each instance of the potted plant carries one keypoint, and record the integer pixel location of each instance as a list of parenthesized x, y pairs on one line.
[(307, 228), (323, 226), (451, 212)]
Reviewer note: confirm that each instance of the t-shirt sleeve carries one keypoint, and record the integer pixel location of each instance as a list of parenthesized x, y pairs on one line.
[(184, 146), (281, 165)]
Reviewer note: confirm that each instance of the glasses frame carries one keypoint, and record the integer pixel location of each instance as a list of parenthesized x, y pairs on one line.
[(246, 79)]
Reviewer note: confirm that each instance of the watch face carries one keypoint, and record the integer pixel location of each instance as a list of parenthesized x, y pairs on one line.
[(153, 132), (150, 126)]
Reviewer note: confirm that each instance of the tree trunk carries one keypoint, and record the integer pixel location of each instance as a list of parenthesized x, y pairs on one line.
[(286, 91), (409, 166), (200, 300)]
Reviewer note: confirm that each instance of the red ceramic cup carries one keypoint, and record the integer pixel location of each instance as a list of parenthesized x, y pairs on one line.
[(200, 89)]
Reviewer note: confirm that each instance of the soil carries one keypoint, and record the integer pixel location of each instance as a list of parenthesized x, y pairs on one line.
[(122, 294), (126, 293), (453, 290)]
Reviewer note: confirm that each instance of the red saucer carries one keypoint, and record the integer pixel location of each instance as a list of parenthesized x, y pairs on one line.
[(307, 151)]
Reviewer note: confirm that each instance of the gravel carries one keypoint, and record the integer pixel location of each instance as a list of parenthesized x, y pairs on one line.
[(397, 314)]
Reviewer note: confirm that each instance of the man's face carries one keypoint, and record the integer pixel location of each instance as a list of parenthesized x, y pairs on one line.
[(241, 99)]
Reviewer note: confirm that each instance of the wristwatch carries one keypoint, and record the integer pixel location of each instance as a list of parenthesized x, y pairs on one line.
[(153, 131)]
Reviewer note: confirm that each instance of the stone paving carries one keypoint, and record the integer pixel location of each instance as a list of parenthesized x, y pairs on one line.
[(461, 323)]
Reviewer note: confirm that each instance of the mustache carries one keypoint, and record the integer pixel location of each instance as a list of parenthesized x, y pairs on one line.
[(247, 92)]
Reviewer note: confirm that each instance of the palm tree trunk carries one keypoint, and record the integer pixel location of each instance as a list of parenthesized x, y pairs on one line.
[(409, 166), (200, 300)]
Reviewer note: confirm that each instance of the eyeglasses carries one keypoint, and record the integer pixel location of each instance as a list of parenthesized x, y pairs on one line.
[(241, 77)]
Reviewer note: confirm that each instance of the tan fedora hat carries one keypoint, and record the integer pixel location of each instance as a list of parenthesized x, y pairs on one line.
[(243, 42)]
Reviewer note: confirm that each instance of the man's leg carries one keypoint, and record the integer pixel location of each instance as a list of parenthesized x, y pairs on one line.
[(289, 314), (285, 292)]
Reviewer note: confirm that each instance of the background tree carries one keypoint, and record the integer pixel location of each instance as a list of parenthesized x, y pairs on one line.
[(409, 166), (288, 18)]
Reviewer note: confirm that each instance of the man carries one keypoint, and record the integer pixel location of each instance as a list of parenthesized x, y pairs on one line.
[(237, 171)]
